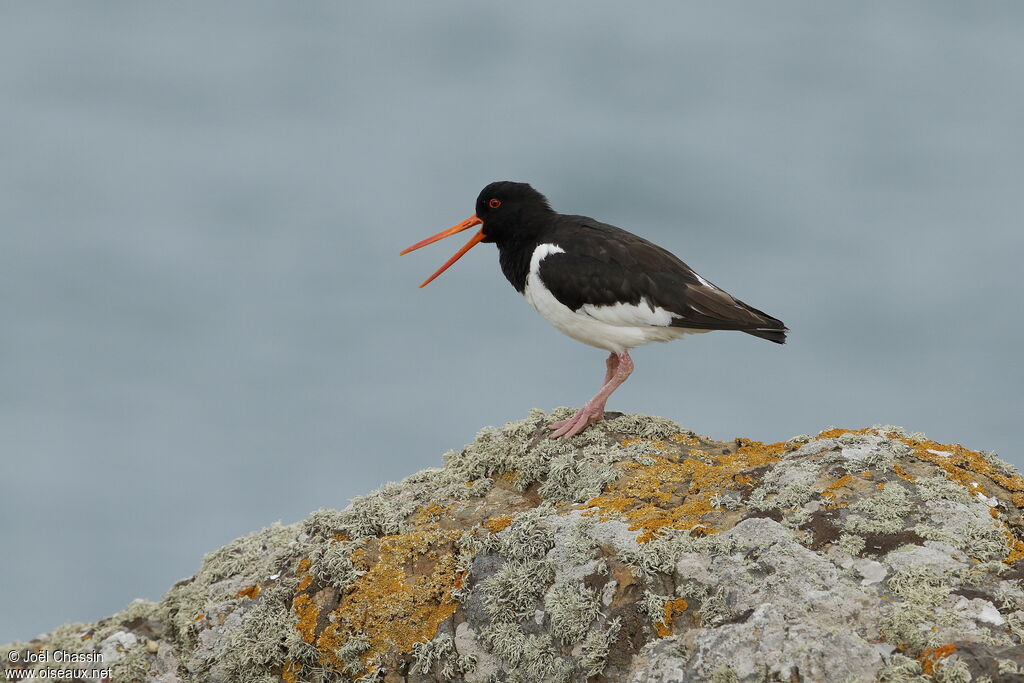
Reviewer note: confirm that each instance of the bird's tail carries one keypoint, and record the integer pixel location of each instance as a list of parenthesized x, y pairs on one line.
[(772, 334)]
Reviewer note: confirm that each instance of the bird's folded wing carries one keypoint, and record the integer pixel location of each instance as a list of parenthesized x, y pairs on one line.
[(630, 281)]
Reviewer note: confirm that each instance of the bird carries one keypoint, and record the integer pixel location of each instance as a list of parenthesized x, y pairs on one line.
[(598, 284)]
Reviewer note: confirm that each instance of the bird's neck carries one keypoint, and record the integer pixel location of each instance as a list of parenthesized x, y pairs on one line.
[(514, 257)]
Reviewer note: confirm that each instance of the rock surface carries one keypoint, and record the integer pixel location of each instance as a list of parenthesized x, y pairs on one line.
[(636, 551)]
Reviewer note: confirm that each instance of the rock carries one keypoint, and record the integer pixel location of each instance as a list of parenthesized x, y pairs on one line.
[(636, 551)]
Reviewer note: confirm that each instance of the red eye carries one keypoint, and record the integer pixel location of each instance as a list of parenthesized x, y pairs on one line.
[(494, 203)]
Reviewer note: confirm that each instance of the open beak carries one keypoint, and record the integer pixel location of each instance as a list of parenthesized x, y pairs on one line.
[(473, 241)]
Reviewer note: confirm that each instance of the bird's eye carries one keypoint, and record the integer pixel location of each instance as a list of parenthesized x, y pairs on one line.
[(494, 203)]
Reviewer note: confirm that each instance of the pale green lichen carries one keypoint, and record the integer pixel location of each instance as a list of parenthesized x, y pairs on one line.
[(851, 543), (647, 427), (528, 536), (133, 665), (249, 560), (541, 662), (352, 651), (659, 555), (952, 671), (571, 469), (787, 485), (442, 654), (331, 562), (506, 641), (983, 540), (381, 513), (513, 592), (260, 641), (653, 605), (917, 619), (713, 606), (902, 669), (724, 674), (595, 647), (572, 478), (941, 487), (1008, 667), (573, 608), (1015, 622), (527, 658), (978, 539), (581, 546), (881, 513)]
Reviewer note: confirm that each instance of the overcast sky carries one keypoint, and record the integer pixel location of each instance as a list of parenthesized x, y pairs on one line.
[(207, 326)]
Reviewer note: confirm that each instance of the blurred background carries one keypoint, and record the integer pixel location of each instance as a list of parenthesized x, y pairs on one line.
[(206, 326)]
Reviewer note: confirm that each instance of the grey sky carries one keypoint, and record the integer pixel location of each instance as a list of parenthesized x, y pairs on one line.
[(207, 327)]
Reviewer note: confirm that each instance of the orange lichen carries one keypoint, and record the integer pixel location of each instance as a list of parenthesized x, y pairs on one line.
[(290, 671), (676, 491), (931, 656), (673, 608), (962, 464), (306, 578), (1015, 545), (307, 613), (400, 600), (880, 486), (427, 513), (249, 592), (498, 523), (902, 473), (974, 472), (839, 431), (830, 491)]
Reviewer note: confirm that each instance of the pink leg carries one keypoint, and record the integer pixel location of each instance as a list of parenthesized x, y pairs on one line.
[(611, 363), (619, 368)]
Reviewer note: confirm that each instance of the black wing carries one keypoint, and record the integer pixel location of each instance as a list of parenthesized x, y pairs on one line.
[(604, 265)]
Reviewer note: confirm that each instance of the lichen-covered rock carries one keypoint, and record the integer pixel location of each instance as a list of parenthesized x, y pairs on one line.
[(636, 551)]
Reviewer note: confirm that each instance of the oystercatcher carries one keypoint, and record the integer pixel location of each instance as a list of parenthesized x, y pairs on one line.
[(599, 284)]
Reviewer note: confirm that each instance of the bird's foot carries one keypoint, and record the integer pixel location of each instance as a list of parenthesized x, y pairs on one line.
[(585, 416)]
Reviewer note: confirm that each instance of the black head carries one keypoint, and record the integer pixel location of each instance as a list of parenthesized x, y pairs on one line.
[(511, 211)]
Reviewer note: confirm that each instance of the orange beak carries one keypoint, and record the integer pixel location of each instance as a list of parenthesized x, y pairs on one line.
[(473, 241)]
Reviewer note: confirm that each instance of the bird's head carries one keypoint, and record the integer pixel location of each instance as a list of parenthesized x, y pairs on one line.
[(510, 211), (506, 212)]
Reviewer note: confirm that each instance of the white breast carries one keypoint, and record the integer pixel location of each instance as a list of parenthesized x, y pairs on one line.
[(614, 328)]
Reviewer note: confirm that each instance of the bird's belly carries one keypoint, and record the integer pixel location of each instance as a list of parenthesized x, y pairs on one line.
[(613, 328)]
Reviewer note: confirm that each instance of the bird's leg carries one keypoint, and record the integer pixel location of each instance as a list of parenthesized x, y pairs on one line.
[(593, 410), (611, 363)]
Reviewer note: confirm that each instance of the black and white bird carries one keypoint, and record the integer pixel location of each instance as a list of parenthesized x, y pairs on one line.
[(599, 284)]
